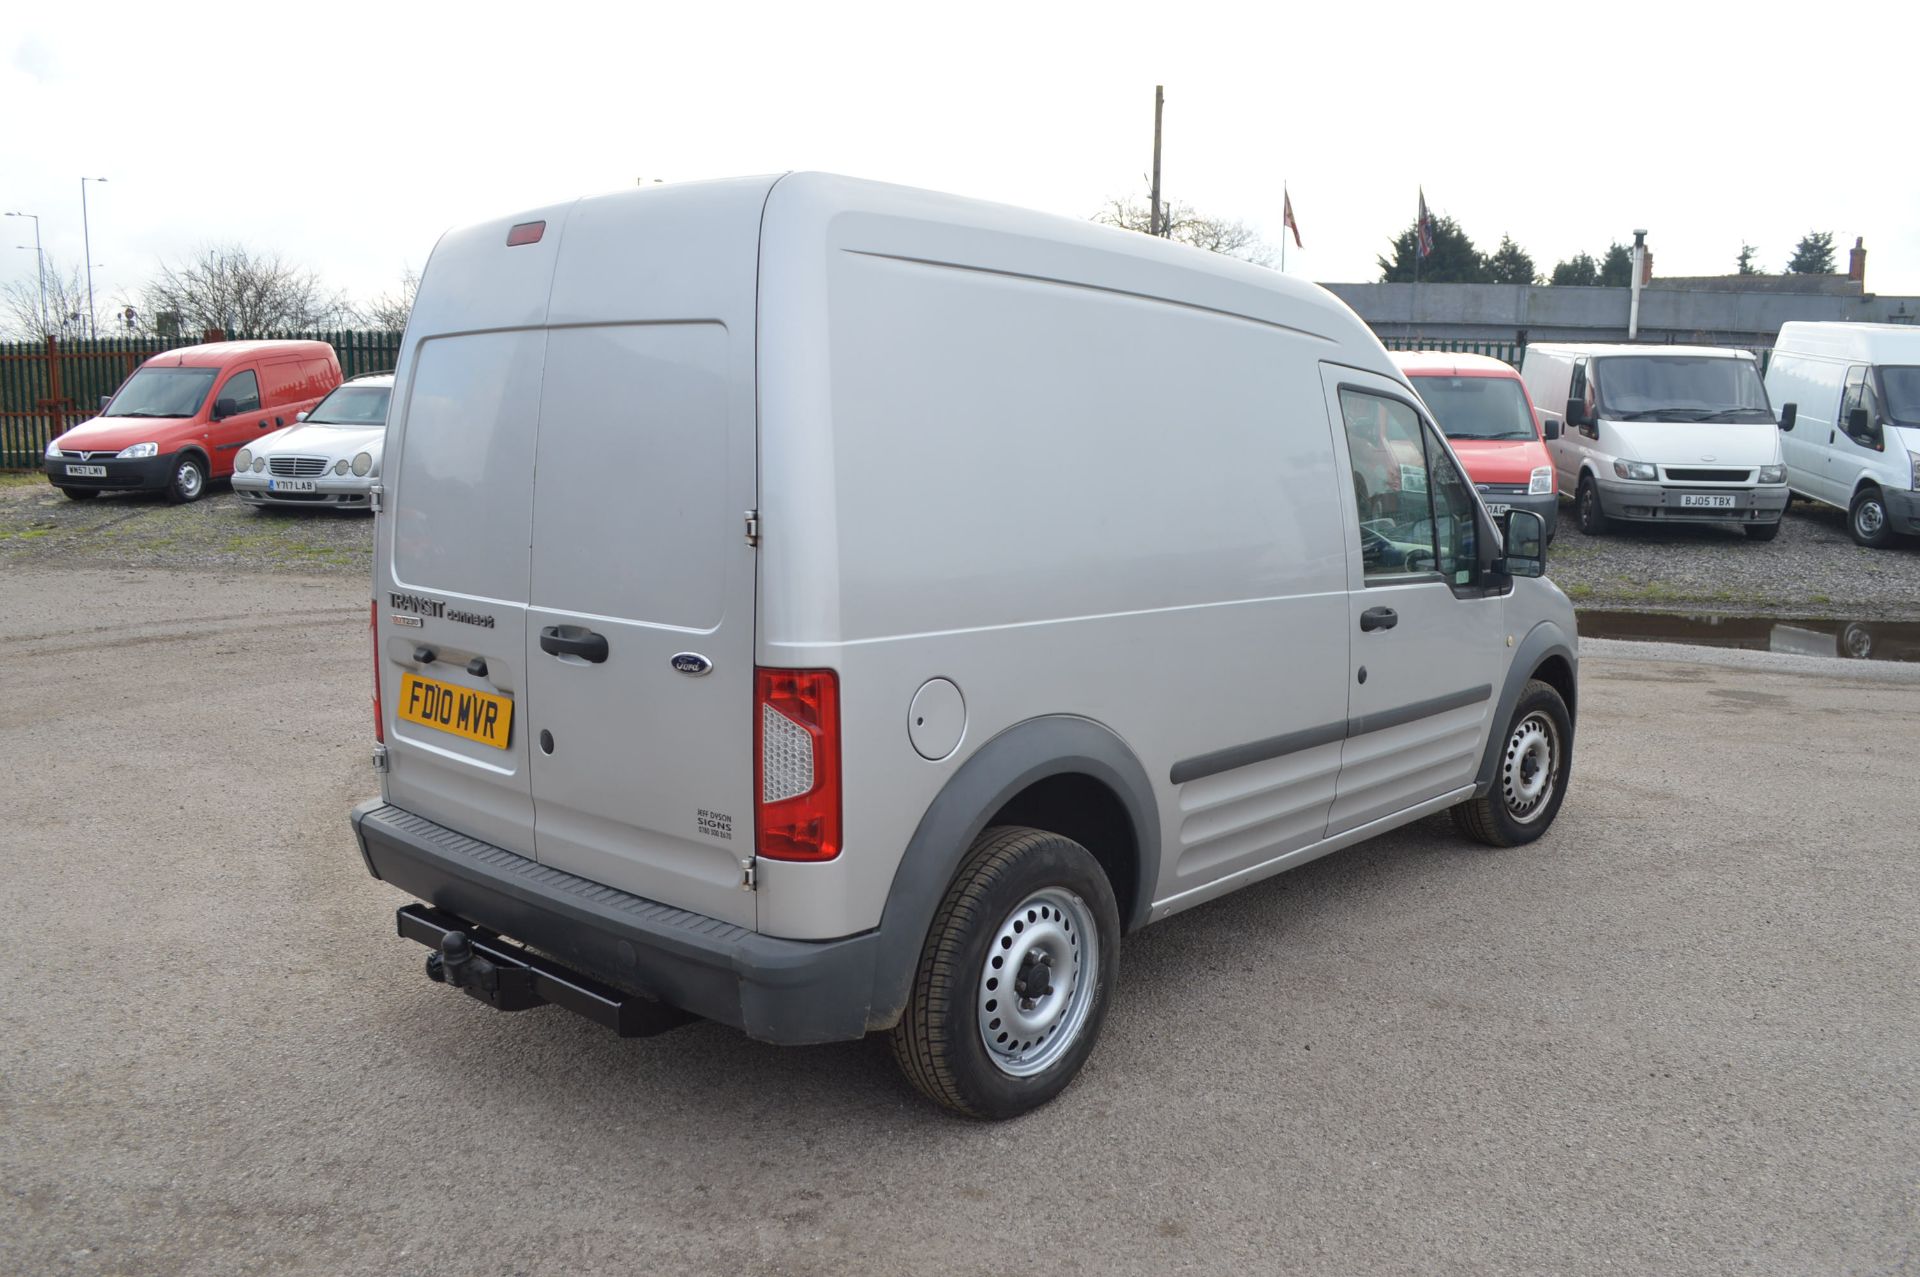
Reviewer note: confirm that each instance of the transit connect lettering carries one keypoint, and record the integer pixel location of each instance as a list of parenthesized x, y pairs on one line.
[(471, 618), (416, 604)]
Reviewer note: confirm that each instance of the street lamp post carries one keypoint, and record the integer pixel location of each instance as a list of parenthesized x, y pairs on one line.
[(40, 258), (86, 239)]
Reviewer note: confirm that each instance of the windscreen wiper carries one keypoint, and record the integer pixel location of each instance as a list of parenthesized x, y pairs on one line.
[(1719, 413)]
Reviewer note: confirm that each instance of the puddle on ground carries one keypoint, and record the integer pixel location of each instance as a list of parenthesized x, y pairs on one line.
[(1855, 640)]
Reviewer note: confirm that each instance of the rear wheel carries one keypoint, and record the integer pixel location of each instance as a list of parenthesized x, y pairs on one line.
[(1867, 518), (1763, 531), (1586, 507), (1016, 976), (189, 480), (79, 494), (1530, 780)]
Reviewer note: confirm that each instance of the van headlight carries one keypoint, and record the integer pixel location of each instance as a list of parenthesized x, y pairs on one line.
[(242, 460), (1636, 470), (1541, 482), (138, 451), (362, 464), (1913, 459), (1773, 474), (53, 449)]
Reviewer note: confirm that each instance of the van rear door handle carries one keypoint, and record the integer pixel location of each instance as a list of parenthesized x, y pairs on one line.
[(1379, 618), (573, 640)]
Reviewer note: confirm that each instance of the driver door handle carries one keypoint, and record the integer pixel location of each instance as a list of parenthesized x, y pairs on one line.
[(573, 640), (1378, 618)]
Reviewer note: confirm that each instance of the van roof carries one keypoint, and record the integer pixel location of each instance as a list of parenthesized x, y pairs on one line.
[(1591, 350), (1451, 363), (218, 354), (1869, 343)]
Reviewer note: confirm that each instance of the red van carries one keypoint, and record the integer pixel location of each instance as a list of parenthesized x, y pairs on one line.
[(178, 421), (1483, 408)]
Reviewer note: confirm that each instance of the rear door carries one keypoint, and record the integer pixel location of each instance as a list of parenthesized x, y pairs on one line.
[(639, 641), (1427, 643)]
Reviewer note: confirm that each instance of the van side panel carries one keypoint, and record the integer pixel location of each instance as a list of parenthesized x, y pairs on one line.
[(1068, 496)]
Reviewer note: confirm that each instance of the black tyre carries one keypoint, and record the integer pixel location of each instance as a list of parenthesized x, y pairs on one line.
[(1763, 531), (79, 494), (1016, 976), (1867, 518), (189, 479), (1536, 758), (1586, 508)]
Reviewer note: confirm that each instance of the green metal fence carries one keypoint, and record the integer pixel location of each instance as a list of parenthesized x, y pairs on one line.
[(1506, 351), (47, 387)]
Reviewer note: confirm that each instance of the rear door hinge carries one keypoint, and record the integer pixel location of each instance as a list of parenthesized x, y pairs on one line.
[(374, 494), (753, 527), (747, 882)]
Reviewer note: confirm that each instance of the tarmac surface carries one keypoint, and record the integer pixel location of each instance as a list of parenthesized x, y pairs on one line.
[(1677, 1035)]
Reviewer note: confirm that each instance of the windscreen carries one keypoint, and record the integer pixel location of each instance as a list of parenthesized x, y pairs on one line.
[(1901, 390), (1680, 388), (1478, 407), (162, 392), (352, 406)]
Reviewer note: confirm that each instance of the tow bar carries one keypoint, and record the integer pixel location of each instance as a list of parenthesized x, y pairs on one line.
[(508, 978)]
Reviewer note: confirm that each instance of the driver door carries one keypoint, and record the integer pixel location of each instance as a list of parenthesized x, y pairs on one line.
[(243, 425), (1427, 645)]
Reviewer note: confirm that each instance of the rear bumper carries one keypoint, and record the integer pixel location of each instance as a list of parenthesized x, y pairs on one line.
[(1903, 510), (148, 474), (1658, 503), (784, 991)]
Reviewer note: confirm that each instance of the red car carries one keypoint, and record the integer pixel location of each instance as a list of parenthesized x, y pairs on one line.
[(1483, 408), (178, 421)]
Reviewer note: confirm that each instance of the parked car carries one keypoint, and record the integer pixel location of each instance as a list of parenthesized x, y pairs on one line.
[(1662, 434), (888, 600), (179, 420), (330, 458), (1483, 408), (1849, 397)]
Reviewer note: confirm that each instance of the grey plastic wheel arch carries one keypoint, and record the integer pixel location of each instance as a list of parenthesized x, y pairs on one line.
[(1542, 641), (1031, 751)]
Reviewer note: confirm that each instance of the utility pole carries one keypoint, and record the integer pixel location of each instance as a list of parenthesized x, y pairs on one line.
[(1156, 224), (86, 240), (41, 258)]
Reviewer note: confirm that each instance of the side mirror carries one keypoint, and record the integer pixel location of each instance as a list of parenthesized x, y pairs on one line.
[(1526, 538), (1550, 428), (104, 401), (224, 408), (299, 416), (1789, 413), (1578, 417)]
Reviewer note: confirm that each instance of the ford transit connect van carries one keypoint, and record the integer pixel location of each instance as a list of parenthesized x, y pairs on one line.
[(827, 608), (178, 422), (1662, 434), (1482, 406), (1849, 397)]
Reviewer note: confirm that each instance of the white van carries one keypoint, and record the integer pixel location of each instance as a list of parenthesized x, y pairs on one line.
[(827, 608), (1661, 434), (1849, 397)]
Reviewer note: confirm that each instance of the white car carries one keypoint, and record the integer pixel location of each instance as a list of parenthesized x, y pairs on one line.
[(331, 457)]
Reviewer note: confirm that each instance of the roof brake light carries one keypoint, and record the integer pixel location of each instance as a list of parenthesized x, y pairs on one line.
[(526, 233)]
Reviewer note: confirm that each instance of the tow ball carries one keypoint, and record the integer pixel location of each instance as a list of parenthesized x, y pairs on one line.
[(503, 988)]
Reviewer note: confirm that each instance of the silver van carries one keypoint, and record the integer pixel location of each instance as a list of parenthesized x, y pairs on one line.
[(826, 608)]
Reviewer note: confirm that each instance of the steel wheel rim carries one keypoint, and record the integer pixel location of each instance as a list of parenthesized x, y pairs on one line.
[(1530, 770), (188, 477), (1025, 1030), (1587, 503), (1870, 517)]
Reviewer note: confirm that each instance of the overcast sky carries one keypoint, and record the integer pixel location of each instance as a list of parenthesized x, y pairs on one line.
[(347, 137)]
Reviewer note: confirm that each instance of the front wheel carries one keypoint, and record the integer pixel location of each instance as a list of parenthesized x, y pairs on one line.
[(1016, 976), (1867, 519), (1530, 779), (1586, 507), (189, 480)]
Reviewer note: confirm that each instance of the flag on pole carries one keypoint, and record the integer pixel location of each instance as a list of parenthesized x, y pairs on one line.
[(1287, 221), (1425, 225)]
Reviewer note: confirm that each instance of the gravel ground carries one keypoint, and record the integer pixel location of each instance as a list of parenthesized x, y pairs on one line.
[(1677, 1035)]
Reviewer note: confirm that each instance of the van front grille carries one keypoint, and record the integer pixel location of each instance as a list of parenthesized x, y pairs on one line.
[(1683, 474), (297, 467)]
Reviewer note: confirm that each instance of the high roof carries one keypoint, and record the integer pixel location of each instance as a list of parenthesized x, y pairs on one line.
[(1869, 343)]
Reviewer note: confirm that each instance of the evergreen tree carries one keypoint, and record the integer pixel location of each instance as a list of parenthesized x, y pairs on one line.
[(1454, 259), (1616, 268), (1813, 255), (1747, 253), (1510, 264), (1580, 269)]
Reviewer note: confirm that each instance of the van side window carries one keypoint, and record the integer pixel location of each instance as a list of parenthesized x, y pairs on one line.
[(1390, 485), (1454, 524), (243, 388)]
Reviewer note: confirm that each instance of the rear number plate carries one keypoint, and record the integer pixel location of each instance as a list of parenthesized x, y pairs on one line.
[(291, 485), (1711, 500), (88, 472), (458, 711), (1498, 508)]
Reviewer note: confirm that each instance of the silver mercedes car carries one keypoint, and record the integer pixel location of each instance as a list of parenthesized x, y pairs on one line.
[(330, 457)]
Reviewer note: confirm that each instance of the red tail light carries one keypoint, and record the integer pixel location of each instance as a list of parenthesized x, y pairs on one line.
[(379, 721), (796, 763)]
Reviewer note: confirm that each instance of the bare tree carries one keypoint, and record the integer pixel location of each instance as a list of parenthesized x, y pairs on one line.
[(1188, 226), (233, 287), (65, 311), (388, 312)]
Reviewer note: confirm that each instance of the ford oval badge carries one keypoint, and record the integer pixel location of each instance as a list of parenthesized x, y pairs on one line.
[(692, 663)]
